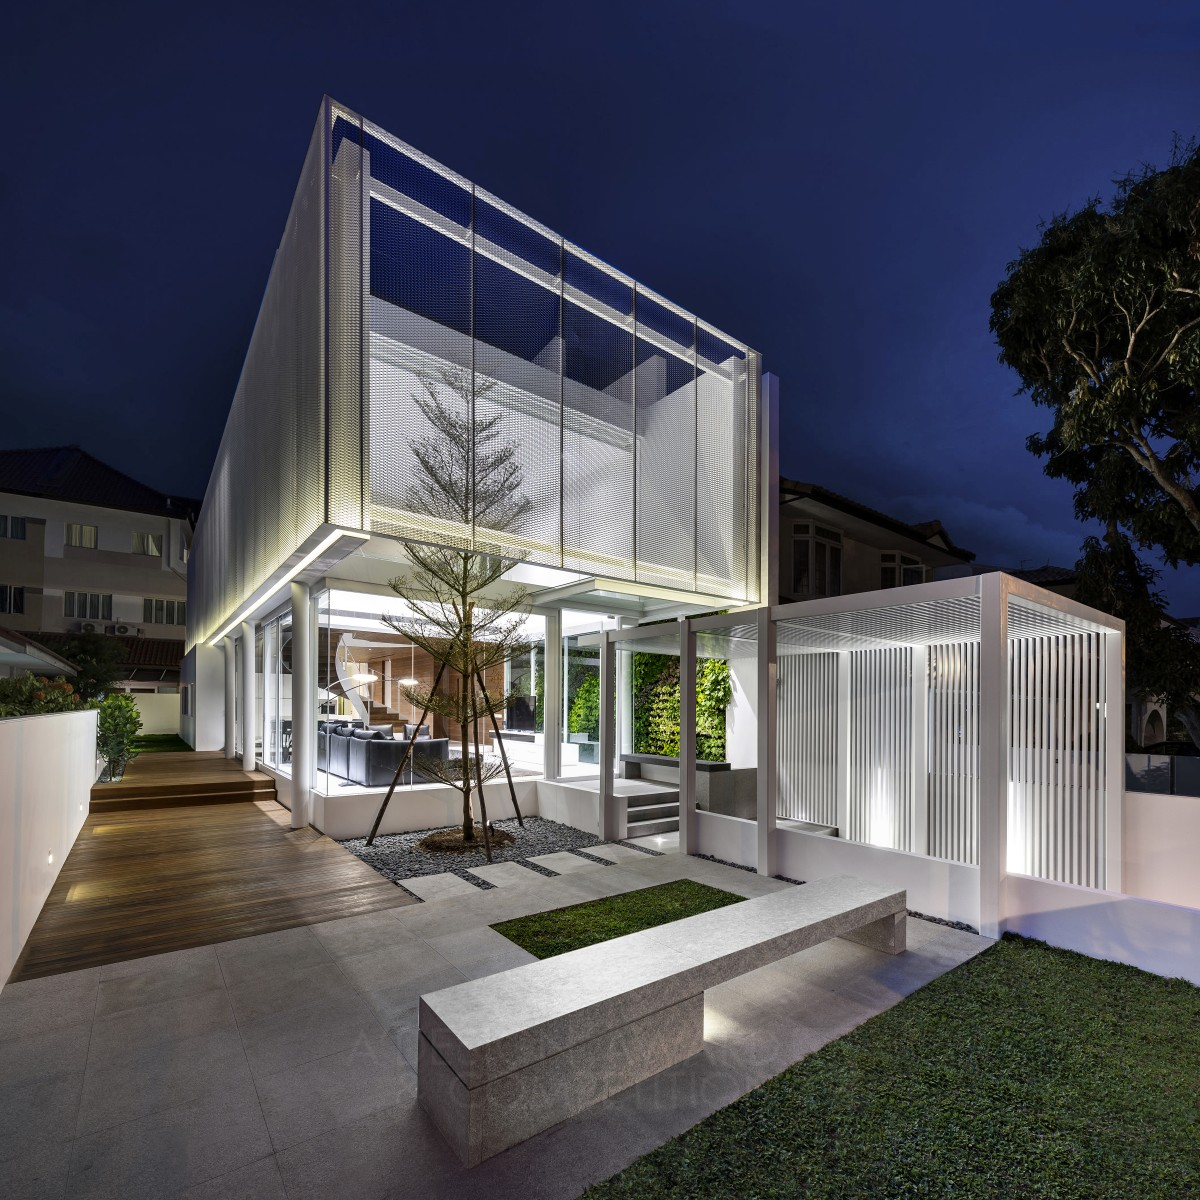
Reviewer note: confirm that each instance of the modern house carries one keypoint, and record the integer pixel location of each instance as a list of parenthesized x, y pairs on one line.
[(642, 434), (831, 545), (85, 548)]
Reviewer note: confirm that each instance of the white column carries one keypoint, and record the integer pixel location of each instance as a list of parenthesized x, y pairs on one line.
[(552, 701), (993, 752), (1114, 757), (304, 704), (625, 696), (611, 820), (919, 833), (687, 739), (842, 759), (249, 717), (768, 735), (230, 647)]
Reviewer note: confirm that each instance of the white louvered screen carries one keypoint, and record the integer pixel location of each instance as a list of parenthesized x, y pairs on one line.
[(953, 741), (881, 794), (1056, 810), (808, 712)]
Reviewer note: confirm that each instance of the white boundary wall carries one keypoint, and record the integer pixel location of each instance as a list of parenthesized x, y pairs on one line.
[(1161, 848), (1161, 938), (47, 768), (159, 711)]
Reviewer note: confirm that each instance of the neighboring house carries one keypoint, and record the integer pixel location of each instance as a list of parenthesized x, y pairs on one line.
[(830, 545), (83, 547), (20, 654)]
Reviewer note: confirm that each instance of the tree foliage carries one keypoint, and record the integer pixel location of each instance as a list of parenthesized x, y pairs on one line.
[(1162, 661), (97, 660), (29, 694), (1101, 322)]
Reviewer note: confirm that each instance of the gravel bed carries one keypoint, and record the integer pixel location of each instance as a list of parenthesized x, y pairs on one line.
[(942, 921), (396, 856)]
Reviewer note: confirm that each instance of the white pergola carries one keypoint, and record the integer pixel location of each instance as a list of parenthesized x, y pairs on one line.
[(976, 721)]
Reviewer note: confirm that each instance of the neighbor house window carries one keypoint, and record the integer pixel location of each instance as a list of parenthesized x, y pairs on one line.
[(12, 527), (88, 606), (81, 535), (148, 543), (164, 612), (900, 570), (12, 599), (816, 561)]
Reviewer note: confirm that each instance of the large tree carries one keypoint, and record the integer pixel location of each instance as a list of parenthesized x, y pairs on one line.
[(1101, 322), (461, 612)]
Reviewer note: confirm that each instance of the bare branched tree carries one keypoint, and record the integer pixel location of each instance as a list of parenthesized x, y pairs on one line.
[(463, 614)]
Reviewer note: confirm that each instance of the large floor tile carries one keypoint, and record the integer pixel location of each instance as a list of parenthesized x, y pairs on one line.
[(43, 1055), (564, 862), (38, 1115), (615, 852), (161, 1154), (161, 1077), (178, 975), (438, 887), (304, 1101), (257, 1181), (37, 1175), (357, 935), (50, 1003), (259, 996), (292, 1036), (268, 955), (132, 1034), (505, 874), (476, 946)]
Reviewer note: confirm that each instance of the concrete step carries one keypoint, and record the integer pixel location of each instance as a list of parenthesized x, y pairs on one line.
[(645, 828), (653, 812)]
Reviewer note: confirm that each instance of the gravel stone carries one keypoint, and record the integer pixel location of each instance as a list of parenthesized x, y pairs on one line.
[(396, 855)]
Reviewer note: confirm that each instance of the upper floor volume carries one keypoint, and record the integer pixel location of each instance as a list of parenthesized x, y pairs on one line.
[(637, 427)]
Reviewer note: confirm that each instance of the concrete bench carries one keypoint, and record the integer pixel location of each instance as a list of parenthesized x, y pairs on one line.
[(504, 1057)]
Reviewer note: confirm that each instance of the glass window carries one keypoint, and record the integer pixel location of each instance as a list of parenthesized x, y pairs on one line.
[(900, 569), (817, 563), (147, 543), (12, 599), (88, 605), (81, 535), (147, 611), (160, 615)]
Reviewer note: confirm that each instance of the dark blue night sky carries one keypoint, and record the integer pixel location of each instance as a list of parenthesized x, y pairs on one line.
[(839, 185)]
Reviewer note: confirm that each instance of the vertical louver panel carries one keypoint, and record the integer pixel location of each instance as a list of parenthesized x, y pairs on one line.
[(953, 741), (808, 710)]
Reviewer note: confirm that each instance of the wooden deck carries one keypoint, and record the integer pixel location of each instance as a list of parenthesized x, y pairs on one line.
[(149, 880), (167, 780)]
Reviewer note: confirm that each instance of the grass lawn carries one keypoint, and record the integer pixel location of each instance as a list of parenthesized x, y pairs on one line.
[(159, 743), (1026, 1072), (546, 934)]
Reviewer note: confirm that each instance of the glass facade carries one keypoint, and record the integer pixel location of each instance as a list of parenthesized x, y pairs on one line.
[(634, 425)]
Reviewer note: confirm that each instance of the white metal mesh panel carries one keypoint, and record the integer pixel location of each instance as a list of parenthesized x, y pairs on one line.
[(953, 751), (665, 397), (807, 742), (267, 493), (1056, 758)]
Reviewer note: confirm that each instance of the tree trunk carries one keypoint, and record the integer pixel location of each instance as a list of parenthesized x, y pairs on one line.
[(483, 818), (464, 740)]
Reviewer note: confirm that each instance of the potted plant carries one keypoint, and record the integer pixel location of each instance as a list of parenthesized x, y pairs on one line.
[(119, 724)]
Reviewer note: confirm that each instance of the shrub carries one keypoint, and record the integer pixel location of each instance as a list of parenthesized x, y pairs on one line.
[(120, 723), (584, 716), (29, 694)]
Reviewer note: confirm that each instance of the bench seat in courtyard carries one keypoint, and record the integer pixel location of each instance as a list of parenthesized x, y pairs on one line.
[(504, 1057)]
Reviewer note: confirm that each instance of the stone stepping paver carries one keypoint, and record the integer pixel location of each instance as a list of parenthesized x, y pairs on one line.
[(505, 874), (664, 843), (439, 887), (564, 862), (615, 853)]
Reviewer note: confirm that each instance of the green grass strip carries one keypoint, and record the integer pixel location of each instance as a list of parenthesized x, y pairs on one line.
[(159, 743), (1026, 1072), (546, 934)]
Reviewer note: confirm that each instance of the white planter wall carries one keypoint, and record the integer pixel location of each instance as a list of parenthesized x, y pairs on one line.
[(47, 768)]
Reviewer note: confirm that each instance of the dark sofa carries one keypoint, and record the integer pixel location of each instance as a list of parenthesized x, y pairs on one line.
[(374, 757)]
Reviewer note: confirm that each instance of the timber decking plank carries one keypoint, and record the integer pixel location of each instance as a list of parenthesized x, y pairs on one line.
[(145, 881)]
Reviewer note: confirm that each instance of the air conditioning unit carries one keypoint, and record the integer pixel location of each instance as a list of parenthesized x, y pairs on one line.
[(139, 632), (87, 627), (110, 629), (122, 629)]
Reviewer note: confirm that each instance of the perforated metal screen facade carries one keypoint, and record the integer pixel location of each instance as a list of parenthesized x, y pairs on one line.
[(635, 424)]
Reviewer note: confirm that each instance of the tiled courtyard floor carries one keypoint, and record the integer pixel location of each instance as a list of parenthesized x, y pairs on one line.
[(282, 1065)]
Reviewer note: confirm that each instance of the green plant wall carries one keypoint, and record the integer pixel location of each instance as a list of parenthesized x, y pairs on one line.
[(656, 706)]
